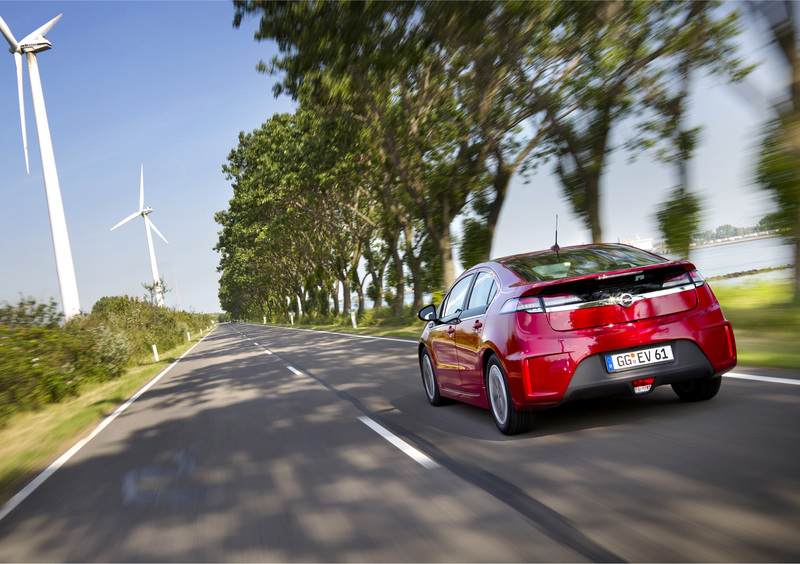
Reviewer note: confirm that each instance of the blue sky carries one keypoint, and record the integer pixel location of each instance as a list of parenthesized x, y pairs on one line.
[(169, 85)]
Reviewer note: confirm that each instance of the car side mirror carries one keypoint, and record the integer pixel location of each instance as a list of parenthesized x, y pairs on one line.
[(427, 313)]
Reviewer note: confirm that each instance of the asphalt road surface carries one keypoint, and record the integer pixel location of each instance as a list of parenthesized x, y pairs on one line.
[(275, 444)]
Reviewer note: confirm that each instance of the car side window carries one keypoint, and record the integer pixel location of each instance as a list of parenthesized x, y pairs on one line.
[(454, 303), (483, 292)]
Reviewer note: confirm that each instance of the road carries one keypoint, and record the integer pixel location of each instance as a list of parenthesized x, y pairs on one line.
[(276, 444)]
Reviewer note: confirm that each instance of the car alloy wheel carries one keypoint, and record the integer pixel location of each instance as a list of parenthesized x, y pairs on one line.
[(506, 417), (497, 395), (429, 379)]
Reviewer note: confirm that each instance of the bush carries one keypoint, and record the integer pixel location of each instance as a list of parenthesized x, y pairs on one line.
[(43, 361)]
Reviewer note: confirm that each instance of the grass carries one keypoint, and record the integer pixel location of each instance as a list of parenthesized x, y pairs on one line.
[(30, 440), (766, 325), (765, 322)]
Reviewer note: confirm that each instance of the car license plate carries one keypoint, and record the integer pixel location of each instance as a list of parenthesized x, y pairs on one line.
[(635, 359)]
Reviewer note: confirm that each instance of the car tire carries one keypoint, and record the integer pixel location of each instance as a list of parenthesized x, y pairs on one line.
[(508, 420), (700, 389), (429, 380)]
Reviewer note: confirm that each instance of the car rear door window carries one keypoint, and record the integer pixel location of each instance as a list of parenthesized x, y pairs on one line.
[(455, 302), (482, 293)]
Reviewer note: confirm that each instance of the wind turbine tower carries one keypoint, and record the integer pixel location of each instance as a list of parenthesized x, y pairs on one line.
[(144, 212), (30, 45)]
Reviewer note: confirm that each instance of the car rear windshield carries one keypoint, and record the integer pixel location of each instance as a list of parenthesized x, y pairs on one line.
[(578, 261)]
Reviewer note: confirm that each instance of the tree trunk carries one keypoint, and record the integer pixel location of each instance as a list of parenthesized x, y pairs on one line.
[(593, 205), (400, 289), (336, 298), (413, 263), (377, 279), (502, 179), (445, 246), (346, 294)]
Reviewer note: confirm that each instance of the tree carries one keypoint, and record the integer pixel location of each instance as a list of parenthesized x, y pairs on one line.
[(294, 225), (779, 164), (445, 89), (631, 48), (155, 290)]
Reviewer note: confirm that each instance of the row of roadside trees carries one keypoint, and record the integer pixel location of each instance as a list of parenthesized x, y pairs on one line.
[(411, 114)]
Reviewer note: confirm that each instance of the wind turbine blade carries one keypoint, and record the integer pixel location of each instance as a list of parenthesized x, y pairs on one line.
[(18, 61), (147, 219), (126, 220), (8, 35), (42, 30), (141, 190)]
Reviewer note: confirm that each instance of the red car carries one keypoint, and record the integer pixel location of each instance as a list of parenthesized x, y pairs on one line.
[(529, 332)]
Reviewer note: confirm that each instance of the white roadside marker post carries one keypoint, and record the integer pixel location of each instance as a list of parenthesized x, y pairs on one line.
[(155, 353)]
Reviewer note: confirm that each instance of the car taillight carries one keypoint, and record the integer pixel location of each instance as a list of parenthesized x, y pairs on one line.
[(528, 304), (677, 280), (559, 300), (697, 278), (693, 277)]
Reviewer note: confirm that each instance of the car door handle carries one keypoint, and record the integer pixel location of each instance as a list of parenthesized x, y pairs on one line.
[(451, 330), (477, 325)]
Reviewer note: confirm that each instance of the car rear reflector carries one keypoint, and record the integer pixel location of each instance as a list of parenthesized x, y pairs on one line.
[(731, 351), (643, 386)]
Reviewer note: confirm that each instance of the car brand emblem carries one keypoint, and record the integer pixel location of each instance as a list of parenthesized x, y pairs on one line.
[(625, 300)]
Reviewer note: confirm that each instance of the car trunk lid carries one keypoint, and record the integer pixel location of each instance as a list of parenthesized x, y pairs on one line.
[(619, 297)]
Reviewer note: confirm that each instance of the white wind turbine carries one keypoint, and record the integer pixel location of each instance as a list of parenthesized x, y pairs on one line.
[(144, 212), (30, 45)]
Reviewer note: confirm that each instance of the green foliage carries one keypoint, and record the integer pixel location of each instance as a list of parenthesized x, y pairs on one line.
[(43, 361), (635, 53), (42, 364), (678, 219), (154, 291), (778, 173), (27, 313), (413, 114), (475, 242)]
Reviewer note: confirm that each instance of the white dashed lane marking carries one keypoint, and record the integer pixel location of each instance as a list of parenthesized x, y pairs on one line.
[(399, 443)]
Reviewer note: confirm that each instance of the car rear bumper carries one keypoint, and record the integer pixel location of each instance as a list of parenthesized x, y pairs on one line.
[(550, 379), (592, 379)]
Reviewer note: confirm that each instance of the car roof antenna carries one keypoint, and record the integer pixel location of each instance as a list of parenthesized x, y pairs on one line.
[(556, 247)]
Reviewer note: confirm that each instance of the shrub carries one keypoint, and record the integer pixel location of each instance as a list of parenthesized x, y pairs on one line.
[(43, 360)]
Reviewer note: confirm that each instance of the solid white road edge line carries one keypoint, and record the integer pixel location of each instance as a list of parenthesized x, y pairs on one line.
[(399, 443), (64, 458), (763, 379)]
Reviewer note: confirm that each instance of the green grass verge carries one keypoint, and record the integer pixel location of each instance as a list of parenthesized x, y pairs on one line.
[(30, 440), (765, 322)]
